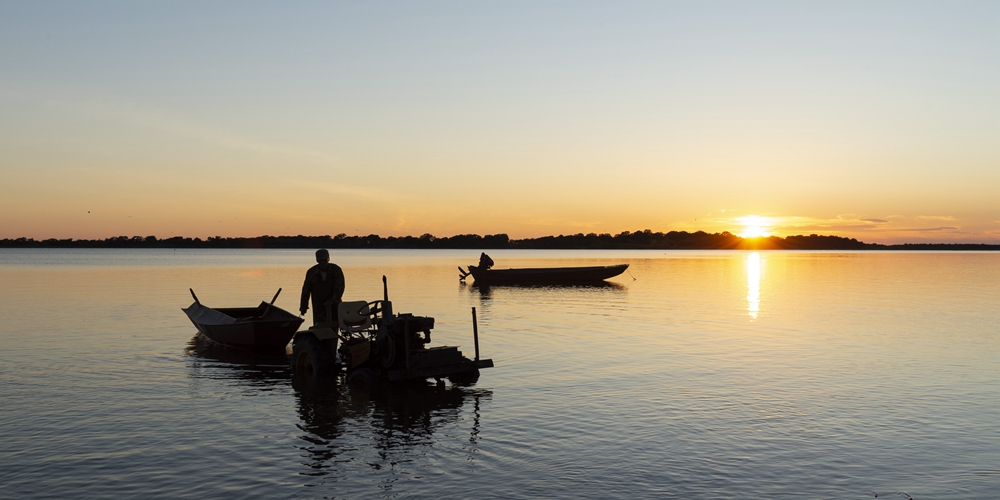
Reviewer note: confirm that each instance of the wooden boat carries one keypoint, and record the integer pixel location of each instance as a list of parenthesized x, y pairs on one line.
[(484, 275), (262, 328)]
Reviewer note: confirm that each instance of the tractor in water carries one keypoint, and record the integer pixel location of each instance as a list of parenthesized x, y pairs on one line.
[(369, 344)]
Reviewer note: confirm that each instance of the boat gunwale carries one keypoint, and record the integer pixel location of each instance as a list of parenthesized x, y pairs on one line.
[(545, 275)]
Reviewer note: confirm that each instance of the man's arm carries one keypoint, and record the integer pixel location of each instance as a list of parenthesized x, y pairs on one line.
[(338, 283), (304, 300)]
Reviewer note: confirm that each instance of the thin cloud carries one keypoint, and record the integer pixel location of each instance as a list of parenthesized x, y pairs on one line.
[(158, 120), (923, 229), (936, 217), (850, 223)]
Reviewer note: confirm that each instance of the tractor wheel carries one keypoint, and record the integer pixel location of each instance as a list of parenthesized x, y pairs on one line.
[(311, 359), (363, 378)]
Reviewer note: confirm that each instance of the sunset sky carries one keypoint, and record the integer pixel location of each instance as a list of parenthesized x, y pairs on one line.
[(873, 120)]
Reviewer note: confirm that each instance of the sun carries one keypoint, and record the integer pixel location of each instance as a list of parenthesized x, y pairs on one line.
[(754, 226)]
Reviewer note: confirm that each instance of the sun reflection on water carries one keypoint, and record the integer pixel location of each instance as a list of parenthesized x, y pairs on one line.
[(753, 284)]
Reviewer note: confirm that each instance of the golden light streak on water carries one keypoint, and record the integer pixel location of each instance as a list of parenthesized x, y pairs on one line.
[(753, 284)]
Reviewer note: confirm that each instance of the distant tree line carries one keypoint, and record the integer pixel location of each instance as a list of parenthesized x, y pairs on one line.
[(673, 240)]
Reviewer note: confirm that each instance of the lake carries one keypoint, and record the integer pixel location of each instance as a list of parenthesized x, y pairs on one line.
[(697, 374)]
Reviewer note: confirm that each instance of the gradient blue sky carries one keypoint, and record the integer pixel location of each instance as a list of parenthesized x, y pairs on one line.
[(873, 120)]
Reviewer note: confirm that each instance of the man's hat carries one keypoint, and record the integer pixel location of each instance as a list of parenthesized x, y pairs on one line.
[(322, 254)]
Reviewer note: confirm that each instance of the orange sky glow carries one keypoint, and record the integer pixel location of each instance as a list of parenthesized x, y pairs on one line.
[(871, 121)]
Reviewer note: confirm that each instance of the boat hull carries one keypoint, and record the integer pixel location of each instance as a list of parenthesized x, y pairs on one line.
[(258, 329), (545, 275)]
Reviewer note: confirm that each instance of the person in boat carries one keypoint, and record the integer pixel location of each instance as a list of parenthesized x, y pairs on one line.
[(485, 262), (325, 284)]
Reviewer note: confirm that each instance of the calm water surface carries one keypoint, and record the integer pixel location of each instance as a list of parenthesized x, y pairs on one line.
[(697, 375)]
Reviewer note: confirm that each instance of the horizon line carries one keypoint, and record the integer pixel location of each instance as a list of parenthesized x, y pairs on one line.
[(744, 242)]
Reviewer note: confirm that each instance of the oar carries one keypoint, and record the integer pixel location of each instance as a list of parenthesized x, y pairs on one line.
[(268, 308), (196, 301)]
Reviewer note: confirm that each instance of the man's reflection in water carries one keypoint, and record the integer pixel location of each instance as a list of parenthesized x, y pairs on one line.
[(322, 422), (398, 418)]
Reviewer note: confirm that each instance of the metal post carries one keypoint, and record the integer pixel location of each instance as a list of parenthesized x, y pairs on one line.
[(475, 332)]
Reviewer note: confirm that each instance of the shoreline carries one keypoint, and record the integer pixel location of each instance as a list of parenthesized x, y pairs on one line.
[(640, 240)]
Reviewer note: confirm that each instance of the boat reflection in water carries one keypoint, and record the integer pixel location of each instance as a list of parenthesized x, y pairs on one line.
[(486, 291), (215, 361)]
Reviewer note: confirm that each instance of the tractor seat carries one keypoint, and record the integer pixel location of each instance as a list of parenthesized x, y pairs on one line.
[(354, 318)]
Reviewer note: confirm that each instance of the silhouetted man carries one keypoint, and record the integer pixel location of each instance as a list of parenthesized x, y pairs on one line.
[(325, 282), (485, 262)]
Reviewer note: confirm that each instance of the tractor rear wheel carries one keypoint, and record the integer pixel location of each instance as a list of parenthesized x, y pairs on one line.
[(311, 359)]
